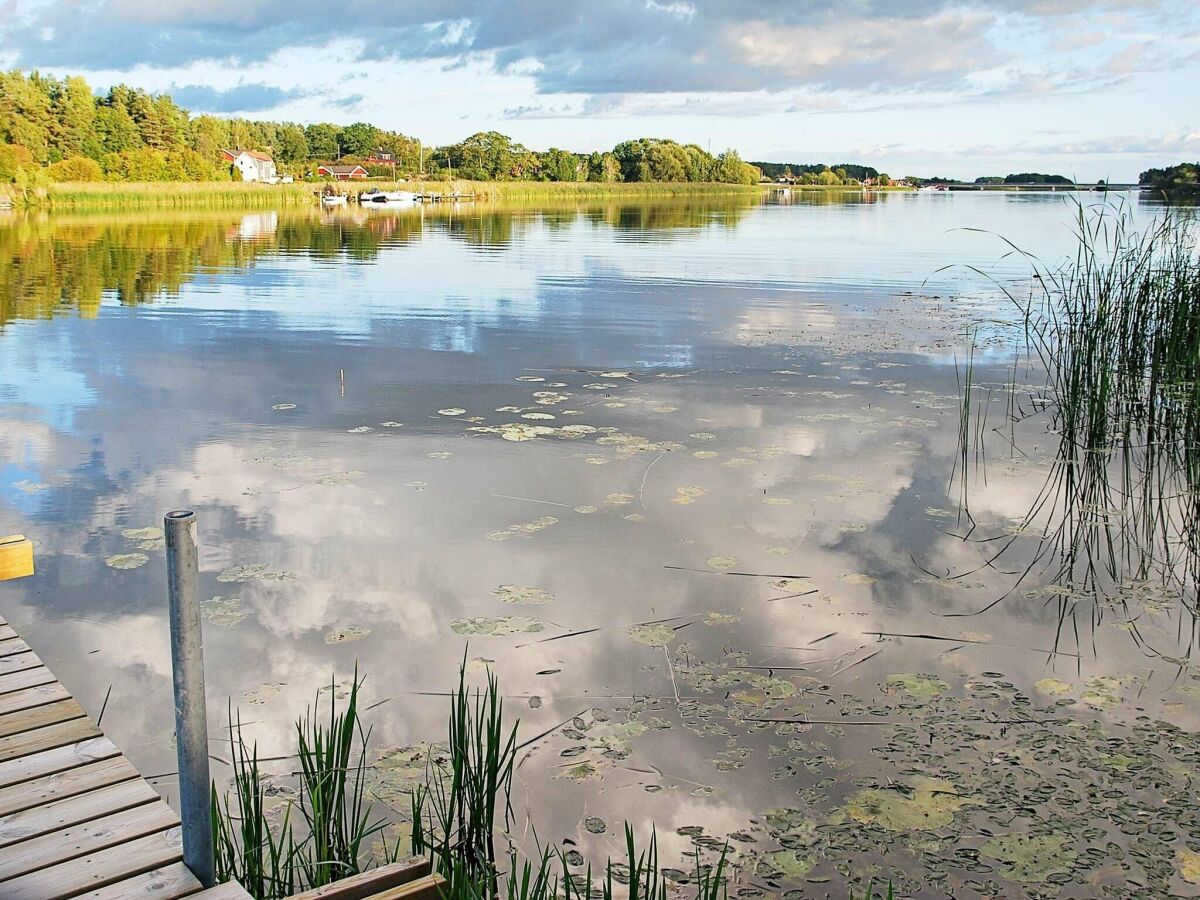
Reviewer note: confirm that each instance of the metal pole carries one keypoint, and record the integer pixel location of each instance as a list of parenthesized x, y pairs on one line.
[(187, 669)]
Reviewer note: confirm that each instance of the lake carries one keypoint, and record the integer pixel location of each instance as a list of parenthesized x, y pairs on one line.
[(682, 474)]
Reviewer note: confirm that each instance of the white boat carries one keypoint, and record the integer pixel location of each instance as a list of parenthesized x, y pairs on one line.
[(387, 198), (333, 199)]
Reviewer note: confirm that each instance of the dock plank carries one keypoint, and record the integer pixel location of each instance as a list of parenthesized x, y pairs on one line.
[(29, 794), (13, 646), (59, 735), (165, 883), (31, 823), (39, 717), (15, 681), (6, 632), (59, 759), (31, 697), (18, 662), (97, 870), (85, 838)]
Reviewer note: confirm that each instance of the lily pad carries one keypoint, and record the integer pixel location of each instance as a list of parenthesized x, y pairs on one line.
[(347, 633), (451, 411), (1030, 858), (929, 805), (1188, 864), (253, 572), (787, 863), (1052, 687), (519, 594), (151, 533), (127, 560), (595, 825), (261, 695), (496, 626), (652, 635), (721, 563), (925, 687), (223, 610)]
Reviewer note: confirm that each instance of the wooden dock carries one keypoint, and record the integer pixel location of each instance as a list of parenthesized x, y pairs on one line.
[(77, 820)]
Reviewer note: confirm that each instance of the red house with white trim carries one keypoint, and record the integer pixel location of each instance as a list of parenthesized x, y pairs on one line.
[(342, 173)]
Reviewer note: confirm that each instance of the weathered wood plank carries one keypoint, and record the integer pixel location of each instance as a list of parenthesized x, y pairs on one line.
[(18, 662), (15, 681), (29, 794), (13, 646), (96, 870), (31, 823), (230, 890), (85, 838), (31, 697), (48, 738), (428, 888), (29, 719), (370, 883), (6, 632), (165, 883), (63, 757)]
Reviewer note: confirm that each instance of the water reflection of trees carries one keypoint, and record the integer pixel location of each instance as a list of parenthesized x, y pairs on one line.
[(56, 266)]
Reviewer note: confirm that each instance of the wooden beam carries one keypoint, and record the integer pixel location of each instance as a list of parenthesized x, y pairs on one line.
[(40, 820), (16, 557), (29, 794), (48, 738), (30, 719), (164, 883), (47, 762), (19, 662), (370, 883), (97, 870), (430, 887), (15, 681), (84, 838)]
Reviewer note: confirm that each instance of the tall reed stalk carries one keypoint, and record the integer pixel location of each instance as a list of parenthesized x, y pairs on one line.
[(1116, 333), (326, 841)]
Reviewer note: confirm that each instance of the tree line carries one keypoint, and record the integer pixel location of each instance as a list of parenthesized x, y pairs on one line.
[(1183, 178), (58, 129)]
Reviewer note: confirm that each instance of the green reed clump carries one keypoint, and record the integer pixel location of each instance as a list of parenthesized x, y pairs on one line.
[(271, 861), (468, 792), (454, 813), (246, 848), (1116, 333)]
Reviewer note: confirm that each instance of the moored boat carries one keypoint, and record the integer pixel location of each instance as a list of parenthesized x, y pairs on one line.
[(386, 198)]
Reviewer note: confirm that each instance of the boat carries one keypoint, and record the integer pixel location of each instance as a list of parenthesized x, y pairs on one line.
[(386, 198), (333, 199)]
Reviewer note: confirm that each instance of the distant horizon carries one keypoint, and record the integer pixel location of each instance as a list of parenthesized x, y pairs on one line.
[(1082, 88)]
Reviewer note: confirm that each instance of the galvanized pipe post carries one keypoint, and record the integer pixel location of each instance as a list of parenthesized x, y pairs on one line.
[(187, 669)]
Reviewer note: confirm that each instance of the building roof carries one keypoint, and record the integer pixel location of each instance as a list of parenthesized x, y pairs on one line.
[(342, 170), (255, 154)]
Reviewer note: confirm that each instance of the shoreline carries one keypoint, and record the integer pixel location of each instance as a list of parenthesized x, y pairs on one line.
[(129, 196)]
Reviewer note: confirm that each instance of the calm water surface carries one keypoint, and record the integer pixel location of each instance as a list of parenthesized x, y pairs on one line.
[(669, 469)]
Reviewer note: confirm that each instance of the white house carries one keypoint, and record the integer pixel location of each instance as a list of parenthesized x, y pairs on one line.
[(253, 166)]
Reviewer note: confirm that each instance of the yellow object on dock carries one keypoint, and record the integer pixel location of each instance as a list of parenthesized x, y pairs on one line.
[(16, 557)]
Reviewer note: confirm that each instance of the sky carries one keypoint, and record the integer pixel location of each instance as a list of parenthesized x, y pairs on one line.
[(1086, 88)]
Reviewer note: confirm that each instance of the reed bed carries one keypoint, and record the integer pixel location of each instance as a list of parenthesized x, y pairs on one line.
[(460, 811), (1115, 334), (119, 196)]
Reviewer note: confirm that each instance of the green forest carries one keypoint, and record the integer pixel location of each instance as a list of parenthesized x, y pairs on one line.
[(1180, 179), (58, 130)]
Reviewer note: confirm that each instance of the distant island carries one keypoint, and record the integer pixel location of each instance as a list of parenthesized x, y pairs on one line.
[(1181, 179)]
